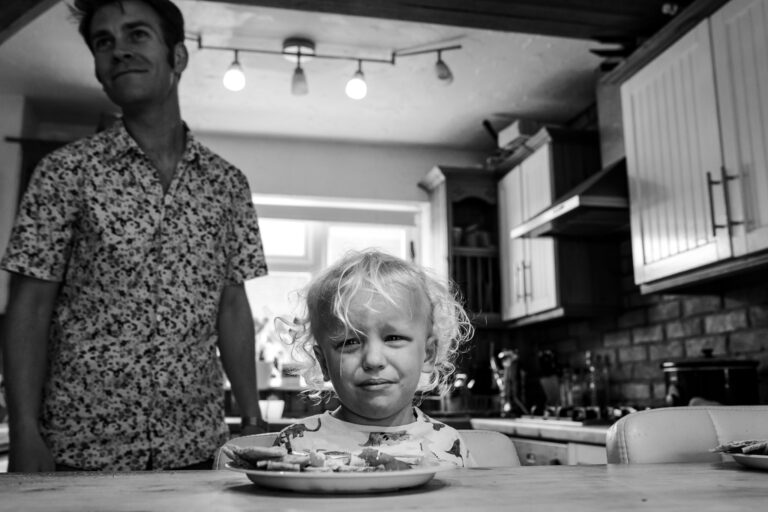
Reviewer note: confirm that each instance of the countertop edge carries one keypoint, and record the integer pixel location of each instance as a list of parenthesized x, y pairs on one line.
[(590, 434)]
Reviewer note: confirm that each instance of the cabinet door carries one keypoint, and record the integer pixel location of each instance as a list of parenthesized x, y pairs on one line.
[(740, 44), (674, 160), (537, 181), (511, 252), (541, 274)]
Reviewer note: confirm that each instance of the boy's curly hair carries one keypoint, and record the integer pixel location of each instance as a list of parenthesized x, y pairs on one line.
[(328, 300)]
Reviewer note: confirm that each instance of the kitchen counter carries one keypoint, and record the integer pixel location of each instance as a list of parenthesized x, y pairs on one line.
[(551, 441), (549, 430)]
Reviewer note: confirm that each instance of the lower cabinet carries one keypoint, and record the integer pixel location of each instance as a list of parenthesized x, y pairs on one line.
[(535, 452)]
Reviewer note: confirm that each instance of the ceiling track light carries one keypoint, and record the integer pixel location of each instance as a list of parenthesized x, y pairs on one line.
[(298, 49), (299, 85), (442, 70), (356, 87), (234, 78)]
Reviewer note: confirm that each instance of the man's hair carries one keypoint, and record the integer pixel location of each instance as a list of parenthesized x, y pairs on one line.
[(171, 19)]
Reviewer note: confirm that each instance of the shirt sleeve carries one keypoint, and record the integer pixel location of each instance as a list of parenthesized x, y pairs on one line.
[(42, 235), (245, 251)]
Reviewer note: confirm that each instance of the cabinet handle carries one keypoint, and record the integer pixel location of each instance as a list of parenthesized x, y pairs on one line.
[(520, 282), (725, 178), (710, 183), (527, 290)]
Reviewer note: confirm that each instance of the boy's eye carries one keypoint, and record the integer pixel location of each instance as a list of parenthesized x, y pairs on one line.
[(346, 344)]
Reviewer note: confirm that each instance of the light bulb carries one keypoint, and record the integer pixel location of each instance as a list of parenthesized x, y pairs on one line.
[(356, 87), (299, 82), (234, 78), (443, 71)]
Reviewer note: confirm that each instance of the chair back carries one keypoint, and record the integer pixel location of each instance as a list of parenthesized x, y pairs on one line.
[(488, 448), (683, 434)]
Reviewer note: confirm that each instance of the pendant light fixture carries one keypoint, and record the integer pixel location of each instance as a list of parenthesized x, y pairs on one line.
[(299, 85), (234, 78), (296, 49), (356, 87), (442, 69)]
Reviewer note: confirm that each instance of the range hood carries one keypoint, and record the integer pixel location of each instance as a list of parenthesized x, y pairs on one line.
[(597, 207)]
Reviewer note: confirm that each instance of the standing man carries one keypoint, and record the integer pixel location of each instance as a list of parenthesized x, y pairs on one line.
[(128, 259)]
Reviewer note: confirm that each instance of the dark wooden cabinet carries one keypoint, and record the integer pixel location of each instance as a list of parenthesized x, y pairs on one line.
[(464, 226)]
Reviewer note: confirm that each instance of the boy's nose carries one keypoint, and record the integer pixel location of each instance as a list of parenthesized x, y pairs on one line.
[(373, 355)]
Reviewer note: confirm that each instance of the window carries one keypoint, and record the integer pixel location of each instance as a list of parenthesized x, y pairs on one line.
[(302, 238)]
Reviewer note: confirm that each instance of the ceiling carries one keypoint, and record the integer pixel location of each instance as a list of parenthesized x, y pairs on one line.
[(518, 59)]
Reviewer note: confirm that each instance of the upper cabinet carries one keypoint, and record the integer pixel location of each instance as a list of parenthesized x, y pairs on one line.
[(544, 277), (740, 44), (695, 131)]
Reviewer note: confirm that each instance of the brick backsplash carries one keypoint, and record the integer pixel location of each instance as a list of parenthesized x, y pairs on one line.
[(653, 328)]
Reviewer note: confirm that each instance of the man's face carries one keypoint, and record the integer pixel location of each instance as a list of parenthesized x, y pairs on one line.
[(131, 57), (376, 371)]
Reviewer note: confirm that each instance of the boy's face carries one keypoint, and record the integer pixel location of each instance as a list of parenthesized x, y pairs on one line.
[(376, 372), (130, 54)]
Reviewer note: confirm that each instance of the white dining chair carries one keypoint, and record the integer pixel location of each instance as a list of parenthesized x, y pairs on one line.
[(683, 434), (488, 448)]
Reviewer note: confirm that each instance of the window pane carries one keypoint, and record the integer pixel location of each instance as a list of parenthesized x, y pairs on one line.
[(276, 293), (284, 237), (390, 239)]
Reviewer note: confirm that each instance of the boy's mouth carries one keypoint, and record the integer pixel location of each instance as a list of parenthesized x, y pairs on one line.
[(375, 383)]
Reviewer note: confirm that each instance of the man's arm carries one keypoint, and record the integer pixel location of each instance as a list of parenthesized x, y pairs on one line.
[(25, 361), (238, 353)]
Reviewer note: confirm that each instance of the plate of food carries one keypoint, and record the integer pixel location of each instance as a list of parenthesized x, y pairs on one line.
[(328, 472), (751, 453)]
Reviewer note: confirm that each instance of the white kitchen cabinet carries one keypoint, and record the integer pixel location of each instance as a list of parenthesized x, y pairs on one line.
[(696, 125), (544, 277), (527, 265), (740, 44)]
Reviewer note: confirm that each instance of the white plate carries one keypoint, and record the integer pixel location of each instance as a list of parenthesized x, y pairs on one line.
[(751, 461), (374, 481)]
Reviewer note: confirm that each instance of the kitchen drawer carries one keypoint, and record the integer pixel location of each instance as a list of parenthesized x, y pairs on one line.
[(540, 453)]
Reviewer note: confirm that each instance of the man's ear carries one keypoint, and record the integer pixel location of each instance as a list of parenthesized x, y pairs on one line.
[(180, 58), (323, 364), (431, 355)]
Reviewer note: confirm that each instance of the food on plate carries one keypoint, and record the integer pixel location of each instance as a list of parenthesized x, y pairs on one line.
[(277, 458), (249, 456), (749, 447)]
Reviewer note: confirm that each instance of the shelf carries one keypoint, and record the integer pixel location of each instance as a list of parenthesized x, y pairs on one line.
[(480, 252)]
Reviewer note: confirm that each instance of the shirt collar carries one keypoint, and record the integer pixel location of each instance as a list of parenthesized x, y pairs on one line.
[(119, 143)]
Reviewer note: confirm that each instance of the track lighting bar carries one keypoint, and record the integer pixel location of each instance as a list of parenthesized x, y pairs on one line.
[(235, 78), (199, 40)]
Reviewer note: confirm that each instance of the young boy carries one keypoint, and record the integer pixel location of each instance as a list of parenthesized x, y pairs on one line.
[(379, 329)]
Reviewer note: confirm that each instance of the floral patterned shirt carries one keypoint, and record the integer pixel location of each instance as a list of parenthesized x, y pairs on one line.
[(134, 380), (424, 440)]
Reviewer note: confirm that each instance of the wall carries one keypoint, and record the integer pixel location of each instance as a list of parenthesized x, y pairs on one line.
[(274, 166), (335, 169), (651, 329)]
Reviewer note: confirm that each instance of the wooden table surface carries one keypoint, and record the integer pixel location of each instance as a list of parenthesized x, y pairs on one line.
[(655, 487)]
